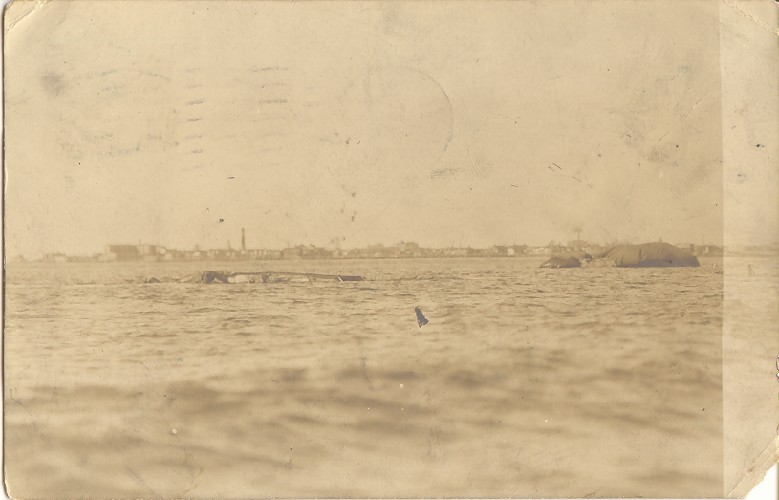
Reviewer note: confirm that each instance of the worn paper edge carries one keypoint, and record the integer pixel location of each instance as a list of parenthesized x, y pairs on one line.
[(749, 59)]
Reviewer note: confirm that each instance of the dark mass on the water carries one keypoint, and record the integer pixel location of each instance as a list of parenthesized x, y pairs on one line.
[(652, 255), (643, 255)]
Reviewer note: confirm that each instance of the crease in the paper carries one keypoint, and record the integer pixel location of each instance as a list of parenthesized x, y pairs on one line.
[(693, 107), (759, 22), (38, 5)]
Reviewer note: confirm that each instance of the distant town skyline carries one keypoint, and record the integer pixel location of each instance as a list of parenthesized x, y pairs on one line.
[(252, 242), (157, 253), (355, 126), (333, 245)]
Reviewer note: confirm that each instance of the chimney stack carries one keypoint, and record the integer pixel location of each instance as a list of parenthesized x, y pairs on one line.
[(243, 240)]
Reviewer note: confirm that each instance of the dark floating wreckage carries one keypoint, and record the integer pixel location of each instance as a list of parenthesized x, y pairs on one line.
[(421, 320), (643, 255), (217, 277), (563, 261)]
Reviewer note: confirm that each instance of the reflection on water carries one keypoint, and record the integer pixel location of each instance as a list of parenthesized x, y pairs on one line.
[(526, 381)]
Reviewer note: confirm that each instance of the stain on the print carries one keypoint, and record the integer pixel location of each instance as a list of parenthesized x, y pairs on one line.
[(365, 373), (53, 84)]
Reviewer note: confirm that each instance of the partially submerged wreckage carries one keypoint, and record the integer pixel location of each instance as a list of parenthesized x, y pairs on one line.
[(258, 277), (644, 255)]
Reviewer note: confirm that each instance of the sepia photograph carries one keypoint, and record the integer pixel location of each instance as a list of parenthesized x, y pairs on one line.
[(389, 249)]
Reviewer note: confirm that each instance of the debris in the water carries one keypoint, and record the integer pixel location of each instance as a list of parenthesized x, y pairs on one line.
[(421, 320)]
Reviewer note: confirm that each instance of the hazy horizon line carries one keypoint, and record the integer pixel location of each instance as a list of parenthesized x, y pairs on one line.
[(330, 247)]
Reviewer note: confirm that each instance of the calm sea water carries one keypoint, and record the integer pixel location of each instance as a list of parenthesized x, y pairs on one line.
[(526, 381)]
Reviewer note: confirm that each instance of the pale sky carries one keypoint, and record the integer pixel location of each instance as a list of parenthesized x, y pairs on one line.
[(357, 123)]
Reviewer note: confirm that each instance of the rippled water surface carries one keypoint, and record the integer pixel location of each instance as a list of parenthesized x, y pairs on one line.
[(526, 381)]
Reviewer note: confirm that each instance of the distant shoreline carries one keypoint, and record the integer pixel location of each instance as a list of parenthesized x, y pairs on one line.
[(539, 258), (404, 250)]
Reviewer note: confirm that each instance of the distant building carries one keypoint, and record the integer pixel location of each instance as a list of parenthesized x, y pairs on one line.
[(313, 252), (339, 253), (55, 257), (270, 254), (409, 249), (520, 249), (121, 252), (306, 252), (292, 253), (170, 255), (477, 252), (578, 245), (145, 250), (455, 252), (501, 251), (539, 251)]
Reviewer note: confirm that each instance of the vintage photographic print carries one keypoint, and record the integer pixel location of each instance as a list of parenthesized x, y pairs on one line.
[(389, 249)]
